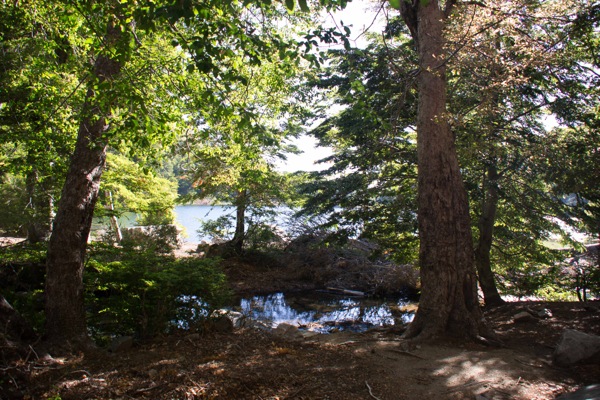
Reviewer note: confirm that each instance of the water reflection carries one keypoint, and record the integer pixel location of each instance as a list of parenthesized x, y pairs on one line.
[(324, 314)]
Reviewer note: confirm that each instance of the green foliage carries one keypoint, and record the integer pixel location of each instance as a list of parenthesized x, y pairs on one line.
[(136, 190), (144, 294), (23, 253), (13, 202), (22, 272), (371, 188), (261, 231), (162, 239)]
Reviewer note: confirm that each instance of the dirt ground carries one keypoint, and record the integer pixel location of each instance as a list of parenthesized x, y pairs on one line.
[(250, 363), (254, 364)]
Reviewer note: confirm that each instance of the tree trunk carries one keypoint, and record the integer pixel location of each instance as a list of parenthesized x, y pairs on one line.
[(114, 221), (65, 313), (38, 217), (240, 222), (484, 245), (448, 303)]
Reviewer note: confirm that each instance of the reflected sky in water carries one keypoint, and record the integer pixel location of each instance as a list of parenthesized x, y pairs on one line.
[(323, 313)]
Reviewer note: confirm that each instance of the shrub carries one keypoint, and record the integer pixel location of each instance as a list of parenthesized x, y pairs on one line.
[(144, 294)]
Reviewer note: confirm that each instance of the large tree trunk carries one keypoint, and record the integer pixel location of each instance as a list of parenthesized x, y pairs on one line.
[(448, 304), (65, 313), (487, 219)]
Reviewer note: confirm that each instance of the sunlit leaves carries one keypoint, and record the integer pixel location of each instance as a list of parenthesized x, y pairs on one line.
[(396, 4)]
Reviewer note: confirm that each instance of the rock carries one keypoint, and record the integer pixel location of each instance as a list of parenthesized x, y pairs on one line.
[(121, 344), (250, 323), (287, 330), (237, 318), (523, 316), (585, 393), (576, 347), (544, 313), (221, 324)]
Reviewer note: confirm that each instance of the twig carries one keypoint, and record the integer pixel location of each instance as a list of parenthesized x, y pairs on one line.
[(407, 353), (149, 388), (466, 385), (74, 372), (305, 387), (371, 391), (13, 380), (529, 364), (32, 350)]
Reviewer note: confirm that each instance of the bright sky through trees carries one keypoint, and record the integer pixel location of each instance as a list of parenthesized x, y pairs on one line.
[(362, 16)]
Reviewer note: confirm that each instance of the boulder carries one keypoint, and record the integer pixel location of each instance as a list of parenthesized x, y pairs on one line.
[(576, 347)]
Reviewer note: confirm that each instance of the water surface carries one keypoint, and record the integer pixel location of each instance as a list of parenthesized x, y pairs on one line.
[(325, 313)]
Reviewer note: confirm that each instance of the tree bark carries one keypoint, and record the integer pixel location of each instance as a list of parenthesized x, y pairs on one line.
[(65, 313), (114, 221), (38, 226), (237, 242), (487, 219), (448, 303)]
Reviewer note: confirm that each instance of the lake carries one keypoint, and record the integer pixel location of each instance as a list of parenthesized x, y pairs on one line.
[(190, 217)]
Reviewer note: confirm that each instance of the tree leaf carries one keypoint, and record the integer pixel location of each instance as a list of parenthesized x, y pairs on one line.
[(290, 4), (303, 5), (395, 4)]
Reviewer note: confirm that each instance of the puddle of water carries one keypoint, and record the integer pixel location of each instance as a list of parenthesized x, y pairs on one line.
[(325, 313)]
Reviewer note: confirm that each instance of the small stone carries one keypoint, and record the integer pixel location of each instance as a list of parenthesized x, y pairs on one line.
[(152, 374), (193, 336), (523, 316)]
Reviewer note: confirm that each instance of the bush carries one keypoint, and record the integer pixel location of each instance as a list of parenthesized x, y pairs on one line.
[(144, 294), (155, 238), (22, 275)]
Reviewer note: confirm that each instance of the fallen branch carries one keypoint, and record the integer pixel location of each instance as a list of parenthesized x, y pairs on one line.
[(371, 391)]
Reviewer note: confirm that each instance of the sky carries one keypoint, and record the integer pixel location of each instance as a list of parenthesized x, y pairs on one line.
[(359, 15)]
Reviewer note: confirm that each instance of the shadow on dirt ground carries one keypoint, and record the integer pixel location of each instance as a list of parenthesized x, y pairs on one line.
[(257, 364)]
